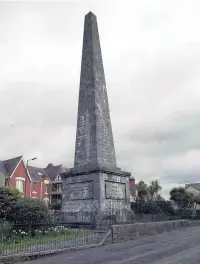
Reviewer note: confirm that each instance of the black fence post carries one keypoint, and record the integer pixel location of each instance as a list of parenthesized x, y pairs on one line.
[(112, 235)]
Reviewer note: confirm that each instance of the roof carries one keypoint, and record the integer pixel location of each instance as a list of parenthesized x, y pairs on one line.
[(53, 171), (10, 165), (36, 174), (2, 174), (2, 168), (7, 168), (194, 185)]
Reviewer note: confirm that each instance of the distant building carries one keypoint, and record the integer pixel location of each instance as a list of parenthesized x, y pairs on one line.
[(31, 181), (193, 188), (53, 173), (133, 191), (11, 172), (132, 181), (39, 185)]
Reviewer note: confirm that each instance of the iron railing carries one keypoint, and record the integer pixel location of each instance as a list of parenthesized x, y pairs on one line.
[(75, 229), (26, 238)]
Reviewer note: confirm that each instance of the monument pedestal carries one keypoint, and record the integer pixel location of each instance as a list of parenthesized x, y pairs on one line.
[(95, 193)]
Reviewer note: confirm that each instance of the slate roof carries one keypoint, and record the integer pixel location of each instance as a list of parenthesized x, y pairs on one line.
[(2, 174), (53, 171), (2, 168), (7, 167), (36, 174), (195, 185), (11, 164)]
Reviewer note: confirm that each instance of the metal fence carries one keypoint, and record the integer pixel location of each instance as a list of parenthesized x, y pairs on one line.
[(75, 229), (25, 238), (67, 230)]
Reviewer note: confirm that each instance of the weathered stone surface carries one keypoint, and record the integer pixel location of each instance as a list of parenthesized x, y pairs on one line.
[(95, 185), (115, 190), (94, 138), (130, 231)]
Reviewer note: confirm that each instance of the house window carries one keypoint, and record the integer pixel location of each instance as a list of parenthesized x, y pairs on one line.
[(20, 185), (34, 186), (59, 188)]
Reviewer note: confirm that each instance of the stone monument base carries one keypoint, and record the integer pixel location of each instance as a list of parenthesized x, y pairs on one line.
[(93, 194)]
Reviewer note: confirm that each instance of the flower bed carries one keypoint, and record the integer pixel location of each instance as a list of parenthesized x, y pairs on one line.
[(19, 239)]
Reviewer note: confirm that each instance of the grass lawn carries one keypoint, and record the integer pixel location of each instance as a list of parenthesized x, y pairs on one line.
[(49, 238)]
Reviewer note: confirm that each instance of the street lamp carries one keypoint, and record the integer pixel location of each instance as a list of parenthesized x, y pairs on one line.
[(27, 172), (30, 160)]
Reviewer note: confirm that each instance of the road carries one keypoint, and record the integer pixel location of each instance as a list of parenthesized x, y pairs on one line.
[(175, 247)]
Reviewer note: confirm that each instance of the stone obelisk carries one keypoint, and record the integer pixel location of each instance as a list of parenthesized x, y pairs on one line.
[(95, 184)]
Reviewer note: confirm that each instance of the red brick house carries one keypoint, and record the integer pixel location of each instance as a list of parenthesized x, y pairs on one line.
[(31, 181), (39, 184)]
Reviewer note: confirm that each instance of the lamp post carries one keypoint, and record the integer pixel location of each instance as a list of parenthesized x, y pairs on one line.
[(30, 160), (27, 172)]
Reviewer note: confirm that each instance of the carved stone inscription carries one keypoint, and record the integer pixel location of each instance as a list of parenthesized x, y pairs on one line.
[(80, 191), (115, 190)]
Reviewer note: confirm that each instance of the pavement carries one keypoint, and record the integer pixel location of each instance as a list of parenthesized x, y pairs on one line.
[(179, 246)]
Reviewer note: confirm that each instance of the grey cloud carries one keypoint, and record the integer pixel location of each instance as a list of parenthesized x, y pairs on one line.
[(179, 135), (42, 105), (181, 177)]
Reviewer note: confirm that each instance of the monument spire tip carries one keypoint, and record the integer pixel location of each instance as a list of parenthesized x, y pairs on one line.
[(90, 14)]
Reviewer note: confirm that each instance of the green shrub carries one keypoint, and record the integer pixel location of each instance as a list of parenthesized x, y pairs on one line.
[(30, 211), (8, 198), (26, 214), (5, 230)]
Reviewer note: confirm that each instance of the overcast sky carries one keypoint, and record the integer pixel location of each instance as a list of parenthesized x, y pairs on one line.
[(151, 54)]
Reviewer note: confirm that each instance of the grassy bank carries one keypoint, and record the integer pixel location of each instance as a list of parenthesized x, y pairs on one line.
[(27, 240)]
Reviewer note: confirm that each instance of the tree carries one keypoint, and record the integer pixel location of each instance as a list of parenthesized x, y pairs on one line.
[(197, 199), (159, 198), (8, 197), (142, 190), (153, 190), (182, 198), (165, 206)]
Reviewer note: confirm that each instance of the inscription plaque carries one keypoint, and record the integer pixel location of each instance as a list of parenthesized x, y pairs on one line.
[(115, 190), (80, 191)]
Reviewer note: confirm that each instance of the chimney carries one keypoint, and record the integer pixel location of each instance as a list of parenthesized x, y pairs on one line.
[(132, 181)]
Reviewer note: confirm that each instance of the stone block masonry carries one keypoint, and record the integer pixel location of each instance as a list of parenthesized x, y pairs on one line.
[(95, 184), (132, 231), (94, 137)]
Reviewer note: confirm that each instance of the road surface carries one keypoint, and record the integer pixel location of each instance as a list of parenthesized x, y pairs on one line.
[(179, 246)]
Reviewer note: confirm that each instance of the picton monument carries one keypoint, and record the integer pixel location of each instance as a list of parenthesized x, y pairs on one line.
[(95, 185)]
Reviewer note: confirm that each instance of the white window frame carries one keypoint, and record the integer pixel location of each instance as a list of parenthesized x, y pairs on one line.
[(34, 187), (18, 182)]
